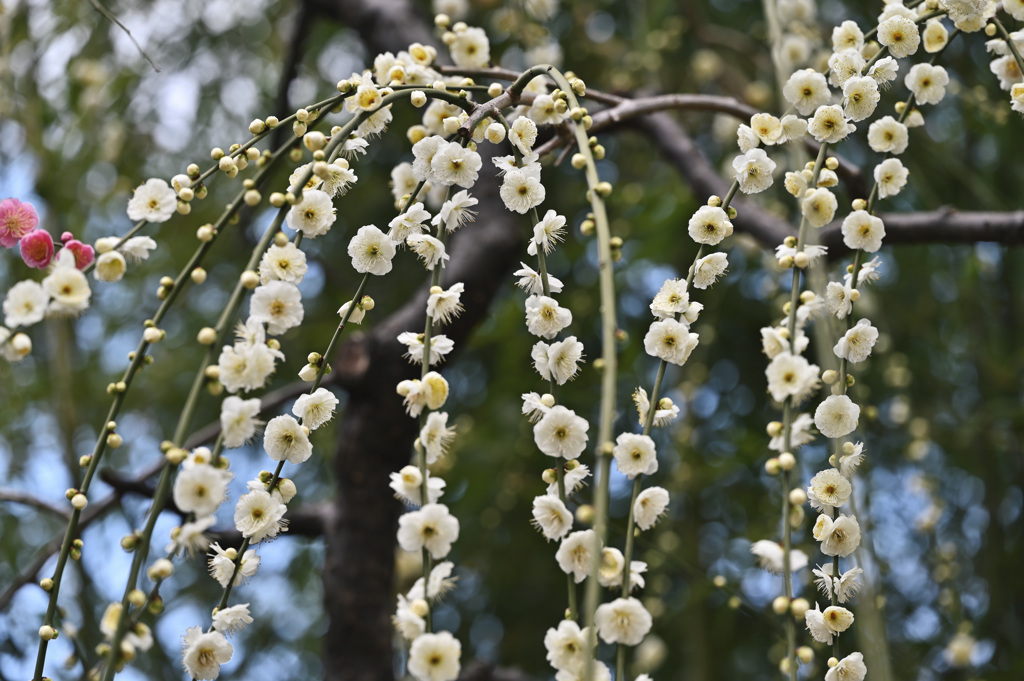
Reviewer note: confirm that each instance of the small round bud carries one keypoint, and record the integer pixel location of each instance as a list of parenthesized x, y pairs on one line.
[(192, 170), (805, 654), (47, 633), (587, 228), (205, 233), (734, 603), (257, 126), (850, 380), (175, 455), (160, 569), (796, 516), (274, 344), (252, 197), (830, 376), (774, 429), (442, 21), (772, 467), (615, 243), (578, 161), (299, 129), (900, 107), (801, 259), (787, 461), (366, 302), (495, 133), (832, 662), (315, 140), (120, 387), (166, 282), (604, 188), (731, 212), (786, 262), (548, 400), (797, 496), (831, 162), (832, 461), (226, 164), (84, 460), (990, 30), (714, 201), (128, 542), (420, 607), (302, 115), (207, 336), (152, 335), (549, 476), (807, 297), (849, 448), (198, 275), (854, 295), (719, 581), (250, 279), (137, 597), (286, 487), (780, 605), (860, 204), (418, 98), (114, 440), (784, 665), (585, 514), (216, 153), (186, 194), (599, 152)]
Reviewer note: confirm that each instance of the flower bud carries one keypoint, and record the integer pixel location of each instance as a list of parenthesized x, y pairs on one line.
[(250, 279), (137, 597), (780, 605), (308, 372), (787, 461), (207, 336), (797, 496), (160, 569), (805, 654), (47, 633), (772, 467)]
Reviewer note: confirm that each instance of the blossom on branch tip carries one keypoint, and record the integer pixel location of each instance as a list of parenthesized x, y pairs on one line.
[(575, 554), (557, 361), (435, 657), (635, 455), (431, 527), (551, 517), (670, 340), (238, 420), (650, 504), (836, 416), (203, 654), (154, 201), (624, 620), (561, 433), (771, 556)]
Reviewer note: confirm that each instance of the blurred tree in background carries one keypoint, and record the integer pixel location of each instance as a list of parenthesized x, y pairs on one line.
[(84, 118)]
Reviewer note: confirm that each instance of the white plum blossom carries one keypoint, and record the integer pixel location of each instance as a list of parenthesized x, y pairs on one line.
[(557, 361), (670, 340), (440, 346), (561, 433), (430, 250), (567, 646), (753, 171), (455, 212), (545, 317), (830, 125), (791, 376), (455, 164), (238, 420), (408, 486), (850, 668), (431, 527), (839, 537), (203, 654), (838, 299), (855, 346), (436, 435), (665, 413), (25, 304), (650, 505), (278, 304), (530, 281), (66, 287), (222, 565), (710, 224), (709, 268), (547, 233), (316, 408), (624, 620), (806, 90), (283, 263), (836, 416), (844, 586), (435, 657), (576, 555), (635, 455), (928, 83), (445, 305), (828, 490), (771, 556), (259, 515), (551, 516), (819, 207), (900, 35), (314, 215), (371, 251), (521, 190), (412, 221), (229, 620), (861, 97), (285, 440), (470, 49), (154, 201), (863, 230)]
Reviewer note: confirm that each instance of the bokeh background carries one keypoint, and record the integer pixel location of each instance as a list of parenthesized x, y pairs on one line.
[(84, 118)]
